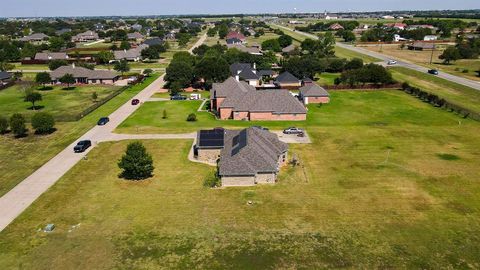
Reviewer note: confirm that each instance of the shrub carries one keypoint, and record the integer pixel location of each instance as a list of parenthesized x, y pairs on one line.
[(3, 125), (137, 164), (192, 117), (212, 181), (17, 125), (43, 123), (465, 71)]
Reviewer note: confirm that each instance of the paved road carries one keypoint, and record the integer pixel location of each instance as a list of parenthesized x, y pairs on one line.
[(402, 63)]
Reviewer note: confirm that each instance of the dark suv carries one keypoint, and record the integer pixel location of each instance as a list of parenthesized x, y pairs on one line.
[(103, 121), (178, 97), (433, 71), (82, 146), (135, 102)]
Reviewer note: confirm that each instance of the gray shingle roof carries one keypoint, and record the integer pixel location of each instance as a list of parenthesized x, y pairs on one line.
[(130, 54), (153, 41), (81, 72), (135, 35), (36, 36), (243, 97), (288, 49), (51, 56), (250, 151), (313, 90), (5, 75), (286, 77)]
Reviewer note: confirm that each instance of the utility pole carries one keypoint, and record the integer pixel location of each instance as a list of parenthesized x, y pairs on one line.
[(431, 56)]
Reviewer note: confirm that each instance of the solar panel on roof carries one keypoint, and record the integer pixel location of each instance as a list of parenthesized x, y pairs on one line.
[(212, 138)]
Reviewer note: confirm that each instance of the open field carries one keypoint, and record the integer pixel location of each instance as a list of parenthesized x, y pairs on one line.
[(348, 54), (27, 67), (259, 40), (456, 93), (327, 78), (20, 157), (389, 182), (423, 58), (60, 102)]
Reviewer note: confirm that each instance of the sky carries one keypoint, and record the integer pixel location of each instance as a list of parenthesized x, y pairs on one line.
[(48, 8)]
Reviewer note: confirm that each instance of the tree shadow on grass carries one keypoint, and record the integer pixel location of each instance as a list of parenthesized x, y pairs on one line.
[(36, 108), (46, 132), (68, 88), (46, 88)]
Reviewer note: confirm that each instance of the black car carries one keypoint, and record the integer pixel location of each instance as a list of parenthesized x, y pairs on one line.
[(260, 127), (82, 146), (178, 97), (135, 102), (433, 71), (103, 121)]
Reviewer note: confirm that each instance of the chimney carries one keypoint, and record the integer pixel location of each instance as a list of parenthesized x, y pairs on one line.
[(254, 68), (125, 50), (73, 65), (237, 77)]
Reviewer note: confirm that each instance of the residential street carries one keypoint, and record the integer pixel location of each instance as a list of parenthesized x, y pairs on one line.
[(401, 63)]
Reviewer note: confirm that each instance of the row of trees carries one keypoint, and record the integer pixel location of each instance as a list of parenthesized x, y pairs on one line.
[(371, 73), (325, 26), (210, 64), (277, 44), (464, 49), (42, 123), (307, 66)]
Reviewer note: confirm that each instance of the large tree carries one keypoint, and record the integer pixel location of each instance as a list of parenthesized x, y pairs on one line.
[(213, 69), (450, 54), (137, 163), (32, 97), (285, 41), (122, 66), (56, 44), (104, 57), (43, 78), (67, 79), (43, 123), (54, 64), (181, 72)]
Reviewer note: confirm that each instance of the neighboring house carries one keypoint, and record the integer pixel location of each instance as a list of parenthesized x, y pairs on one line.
[(245, 157), (170, 36), (238, 100), (134, 54), (135, 36), (421, 46), (336, 27), (236, 35), (288, 49), (288, 81), (5, 77), (245, 71), (430, 38), (266, 73), (49, 56), (233, 41), (99, 27), (243, 48), (35, 38), (85, 76), (312, 93), (136, 27), (398, 38), (154, 41), (85, 37), (399, 26)]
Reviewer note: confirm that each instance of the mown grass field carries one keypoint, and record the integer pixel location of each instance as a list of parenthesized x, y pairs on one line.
[(61, 103), (389, 182), (20, 157), (453, 92)]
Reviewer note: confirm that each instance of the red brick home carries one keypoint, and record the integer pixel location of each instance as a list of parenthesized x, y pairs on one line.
[(312, 93), (238, 100)]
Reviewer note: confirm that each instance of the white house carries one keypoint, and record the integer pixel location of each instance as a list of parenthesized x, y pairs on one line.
[(430, 38)]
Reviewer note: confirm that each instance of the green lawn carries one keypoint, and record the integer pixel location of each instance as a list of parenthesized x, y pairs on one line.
[(349, 54), (453, 92), (327, 78), (20, 157), (19, 66), (389, 182), (147, 119), (61, 103), (259, 40)]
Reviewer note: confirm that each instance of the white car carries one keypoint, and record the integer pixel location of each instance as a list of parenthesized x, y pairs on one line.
[(292, 130), (391, 62)]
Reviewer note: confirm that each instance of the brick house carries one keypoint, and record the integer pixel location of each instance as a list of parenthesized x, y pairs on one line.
[(236, 35), (245, 157), (238, 100), (85, 37), (312, 93)]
